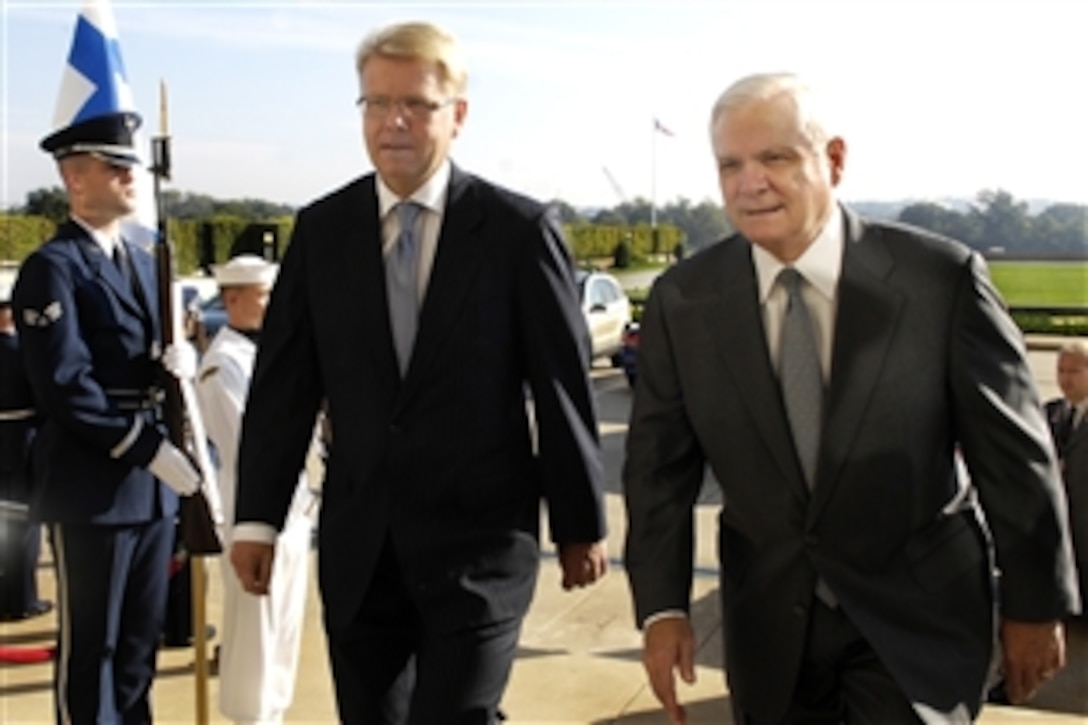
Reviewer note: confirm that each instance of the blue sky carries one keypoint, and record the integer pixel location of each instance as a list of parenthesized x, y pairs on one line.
[(935, 98)]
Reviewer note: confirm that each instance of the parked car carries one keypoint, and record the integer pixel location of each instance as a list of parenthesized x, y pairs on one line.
[(212, 315), (629, 354), (607, 311)]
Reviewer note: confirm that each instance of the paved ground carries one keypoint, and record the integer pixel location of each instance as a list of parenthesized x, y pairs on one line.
[(579, 655)]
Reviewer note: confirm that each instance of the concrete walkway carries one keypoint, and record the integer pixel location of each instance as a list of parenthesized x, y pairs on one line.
[(578, 661)]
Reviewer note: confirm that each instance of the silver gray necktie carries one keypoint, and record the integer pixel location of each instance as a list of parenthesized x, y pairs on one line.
[(400, 276), (802, 388), (799, 375)]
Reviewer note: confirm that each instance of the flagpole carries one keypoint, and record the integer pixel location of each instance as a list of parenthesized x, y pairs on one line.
[(160, 148), (654, 244)]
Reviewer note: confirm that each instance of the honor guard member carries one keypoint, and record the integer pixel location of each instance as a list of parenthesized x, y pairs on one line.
[(258, 657), (88, 320), (20, 539)]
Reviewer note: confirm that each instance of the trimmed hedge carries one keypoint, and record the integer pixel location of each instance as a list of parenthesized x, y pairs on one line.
[(20, 235), (593, 241)]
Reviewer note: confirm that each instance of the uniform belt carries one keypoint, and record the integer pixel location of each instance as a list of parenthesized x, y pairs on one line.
[(132, 400), (17, 414)]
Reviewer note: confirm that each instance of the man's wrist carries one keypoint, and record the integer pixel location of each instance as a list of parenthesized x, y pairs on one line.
[(254, 531), (663, 614)]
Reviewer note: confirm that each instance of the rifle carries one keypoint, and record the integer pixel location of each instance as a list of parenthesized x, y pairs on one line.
[(196, 524)]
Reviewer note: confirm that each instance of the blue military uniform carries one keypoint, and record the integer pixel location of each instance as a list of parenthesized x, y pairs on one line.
[(20, 541), (90, 339)]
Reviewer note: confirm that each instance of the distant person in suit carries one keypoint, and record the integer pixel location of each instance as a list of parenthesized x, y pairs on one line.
[(20, 539), (428, 535), (826, 368), (258, 659), (1067, 417), (106, 478)]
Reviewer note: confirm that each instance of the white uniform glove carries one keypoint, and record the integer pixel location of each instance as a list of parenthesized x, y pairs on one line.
[(173, 468), (179, 359)]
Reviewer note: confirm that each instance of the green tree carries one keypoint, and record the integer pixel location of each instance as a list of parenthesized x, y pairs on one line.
[(1005, 222), (1061, 229), (50, 203), (567, 213)]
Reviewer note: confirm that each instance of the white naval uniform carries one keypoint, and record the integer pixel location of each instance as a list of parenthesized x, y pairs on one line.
[(258, 657)]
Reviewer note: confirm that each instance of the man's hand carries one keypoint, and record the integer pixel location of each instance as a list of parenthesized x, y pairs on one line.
[(252, 562), (582, 564), (668, 645), (1033, 654)]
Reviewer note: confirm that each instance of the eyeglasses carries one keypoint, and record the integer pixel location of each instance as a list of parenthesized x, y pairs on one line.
[(408, 108)]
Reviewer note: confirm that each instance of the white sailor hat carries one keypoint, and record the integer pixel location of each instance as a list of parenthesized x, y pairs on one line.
[(246, 269), (5, 294)]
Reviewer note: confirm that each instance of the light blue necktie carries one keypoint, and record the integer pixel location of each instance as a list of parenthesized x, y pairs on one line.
[(802, 388), (401, 282)]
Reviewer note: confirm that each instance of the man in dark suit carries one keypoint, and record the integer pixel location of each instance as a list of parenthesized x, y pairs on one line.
[(20, 540), (857, 582), (1068, 418), (87, 314), (428, 534)]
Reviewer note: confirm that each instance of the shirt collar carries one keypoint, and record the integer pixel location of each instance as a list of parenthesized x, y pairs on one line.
[(432, 195), (106, 242), (820, 264)]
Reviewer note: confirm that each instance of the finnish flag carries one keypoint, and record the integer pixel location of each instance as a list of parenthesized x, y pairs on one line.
[(94, 82), (96, 112)]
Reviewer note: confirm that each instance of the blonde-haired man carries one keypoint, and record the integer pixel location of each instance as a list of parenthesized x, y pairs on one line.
[(422, 302)]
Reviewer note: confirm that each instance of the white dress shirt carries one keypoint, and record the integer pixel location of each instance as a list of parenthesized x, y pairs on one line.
[(821, 266), (432, 197)]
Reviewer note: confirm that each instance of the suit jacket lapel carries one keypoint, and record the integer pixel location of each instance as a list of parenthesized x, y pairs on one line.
[(742, 351), (866, 321), (454, 272), (1078, 437)]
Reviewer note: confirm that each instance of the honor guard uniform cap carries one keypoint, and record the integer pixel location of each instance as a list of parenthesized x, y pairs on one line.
[(246, 269), (108, 137), (5, 295)]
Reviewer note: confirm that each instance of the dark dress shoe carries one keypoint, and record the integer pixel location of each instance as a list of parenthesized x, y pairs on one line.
[(40, 607), (997, 694)]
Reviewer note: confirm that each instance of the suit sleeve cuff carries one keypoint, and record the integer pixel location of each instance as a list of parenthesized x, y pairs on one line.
[(664, 614), (254, 531)]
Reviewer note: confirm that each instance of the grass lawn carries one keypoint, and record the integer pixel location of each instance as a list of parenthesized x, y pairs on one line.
[(1042, 283)]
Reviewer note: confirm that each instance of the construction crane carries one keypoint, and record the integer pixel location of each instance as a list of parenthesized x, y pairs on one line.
[(615, 184)]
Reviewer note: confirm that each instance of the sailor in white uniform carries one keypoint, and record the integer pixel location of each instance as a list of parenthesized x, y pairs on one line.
[(259, 650)]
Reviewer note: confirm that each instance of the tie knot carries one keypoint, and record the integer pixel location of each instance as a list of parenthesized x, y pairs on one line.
[(790, 279), (407, 214)]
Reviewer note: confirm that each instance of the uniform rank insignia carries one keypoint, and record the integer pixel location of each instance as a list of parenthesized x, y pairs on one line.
[(50, 314)]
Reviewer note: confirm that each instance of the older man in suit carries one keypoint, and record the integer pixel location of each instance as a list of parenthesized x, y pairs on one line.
[(827, 369), (1068, 418), (430, 308)]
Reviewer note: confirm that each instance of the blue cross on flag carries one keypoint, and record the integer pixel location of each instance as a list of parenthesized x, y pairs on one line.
[(94, 82)]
